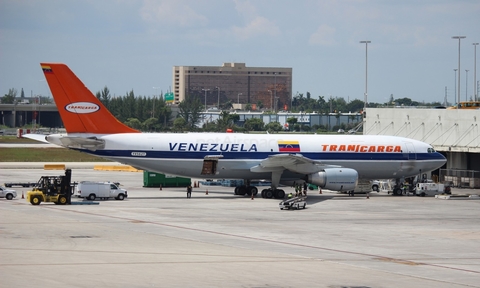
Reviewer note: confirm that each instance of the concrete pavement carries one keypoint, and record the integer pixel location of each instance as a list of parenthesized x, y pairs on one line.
[(162, 239)]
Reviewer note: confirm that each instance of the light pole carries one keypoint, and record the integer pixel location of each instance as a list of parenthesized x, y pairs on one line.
[(466, 84), (475, 92), (218, 101), (271, 100), (238, 98), (455, 99), (205, 97), (275, 91), (459, 38), (365, 96)]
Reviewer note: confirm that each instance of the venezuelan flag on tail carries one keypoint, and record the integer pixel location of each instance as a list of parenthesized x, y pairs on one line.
[(288, 146), (80, 110)]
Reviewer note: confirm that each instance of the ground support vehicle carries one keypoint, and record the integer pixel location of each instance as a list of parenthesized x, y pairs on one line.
[(8, 194), (431, 189), (293, 203), (101, 190), (56, 189)]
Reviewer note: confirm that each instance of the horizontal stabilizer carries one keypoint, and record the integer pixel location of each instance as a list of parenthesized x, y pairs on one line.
[(36, 137), (91, 143)]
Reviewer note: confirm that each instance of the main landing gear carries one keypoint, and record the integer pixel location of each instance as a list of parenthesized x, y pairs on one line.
[(266, 193), (246, 190), (273, 193), (398, 187)]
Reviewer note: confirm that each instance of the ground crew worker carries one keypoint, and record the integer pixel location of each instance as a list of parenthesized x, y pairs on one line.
[(305, 188), (290, 195), (189, 191), (296, 190)]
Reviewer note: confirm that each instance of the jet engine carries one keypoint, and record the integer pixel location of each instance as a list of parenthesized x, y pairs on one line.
[(336, 179)]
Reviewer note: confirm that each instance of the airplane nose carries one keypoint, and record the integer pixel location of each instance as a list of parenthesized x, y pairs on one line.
[(441, 160)]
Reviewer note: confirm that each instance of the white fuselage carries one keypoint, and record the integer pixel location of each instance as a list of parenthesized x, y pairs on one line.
[(373, 157)]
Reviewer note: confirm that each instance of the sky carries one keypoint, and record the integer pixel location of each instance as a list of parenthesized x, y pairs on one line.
[(133, 44)]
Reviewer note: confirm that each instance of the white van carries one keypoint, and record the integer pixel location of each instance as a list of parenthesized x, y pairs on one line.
[(102, 190)]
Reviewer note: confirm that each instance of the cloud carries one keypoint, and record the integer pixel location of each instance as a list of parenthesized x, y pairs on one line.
[(171, 12), (255, 25), (255, 28), (324, 36)]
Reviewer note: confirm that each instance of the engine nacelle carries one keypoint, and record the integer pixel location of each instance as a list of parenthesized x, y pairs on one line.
[(336, 179)]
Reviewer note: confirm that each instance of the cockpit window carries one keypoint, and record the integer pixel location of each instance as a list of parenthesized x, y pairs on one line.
[(430, 150)]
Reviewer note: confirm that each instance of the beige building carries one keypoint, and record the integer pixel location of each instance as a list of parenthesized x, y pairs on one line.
[(234, 82)]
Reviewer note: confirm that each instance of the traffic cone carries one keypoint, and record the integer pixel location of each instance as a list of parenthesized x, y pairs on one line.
[(253, 196), (320, 190), (23, 197), (206, 192), (160, 187)]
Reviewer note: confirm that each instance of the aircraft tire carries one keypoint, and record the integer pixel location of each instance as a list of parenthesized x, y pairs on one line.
[(269, 194), (242, 190), (279, 194), (252, 190), (397, 192)]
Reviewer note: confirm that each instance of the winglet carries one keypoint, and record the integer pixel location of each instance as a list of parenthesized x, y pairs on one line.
[(80, 110)]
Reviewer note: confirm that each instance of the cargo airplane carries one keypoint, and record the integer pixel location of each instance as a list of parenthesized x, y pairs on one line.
[(334, 162)]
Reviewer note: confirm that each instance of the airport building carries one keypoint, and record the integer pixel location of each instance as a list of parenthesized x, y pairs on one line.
[(234, 82), (455, 133)]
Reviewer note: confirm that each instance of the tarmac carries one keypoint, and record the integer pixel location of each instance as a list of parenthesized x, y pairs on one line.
[(159, 238)]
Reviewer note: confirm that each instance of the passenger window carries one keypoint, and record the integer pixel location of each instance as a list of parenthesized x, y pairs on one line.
[(113, 186)]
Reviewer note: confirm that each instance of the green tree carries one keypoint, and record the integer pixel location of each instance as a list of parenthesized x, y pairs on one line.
[(189, 110), (179, 124), (292, 121), (254, 124), (9, 98), (226, 120), (355, 106), (150, 124), (273, 127), (134, 123), (104, 97), (227, 105)]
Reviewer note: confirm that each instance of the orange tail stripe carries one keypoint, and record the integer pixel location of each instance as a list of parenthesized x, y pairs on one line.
[(80, 110)]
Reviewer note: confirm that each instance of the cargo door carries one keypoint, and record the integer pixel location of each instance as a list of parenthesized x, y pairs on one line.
[(210, 164)]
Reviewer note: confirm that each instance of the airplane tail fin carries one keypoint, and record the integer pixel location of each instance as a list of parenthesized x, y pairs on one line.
[(80, 110)]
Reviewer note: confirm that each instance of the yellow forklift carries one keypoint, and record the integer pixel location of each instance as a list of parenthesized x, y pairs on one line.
[(54, 189)]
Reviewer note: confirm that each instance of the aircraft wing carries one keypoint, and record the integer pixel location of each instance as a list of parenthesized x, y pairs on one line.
[(293, 162)]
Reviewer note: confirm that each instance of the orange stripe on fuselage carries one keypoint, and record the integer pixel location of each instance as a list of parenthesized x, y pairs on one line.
[(361, 148), (80, 110)]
